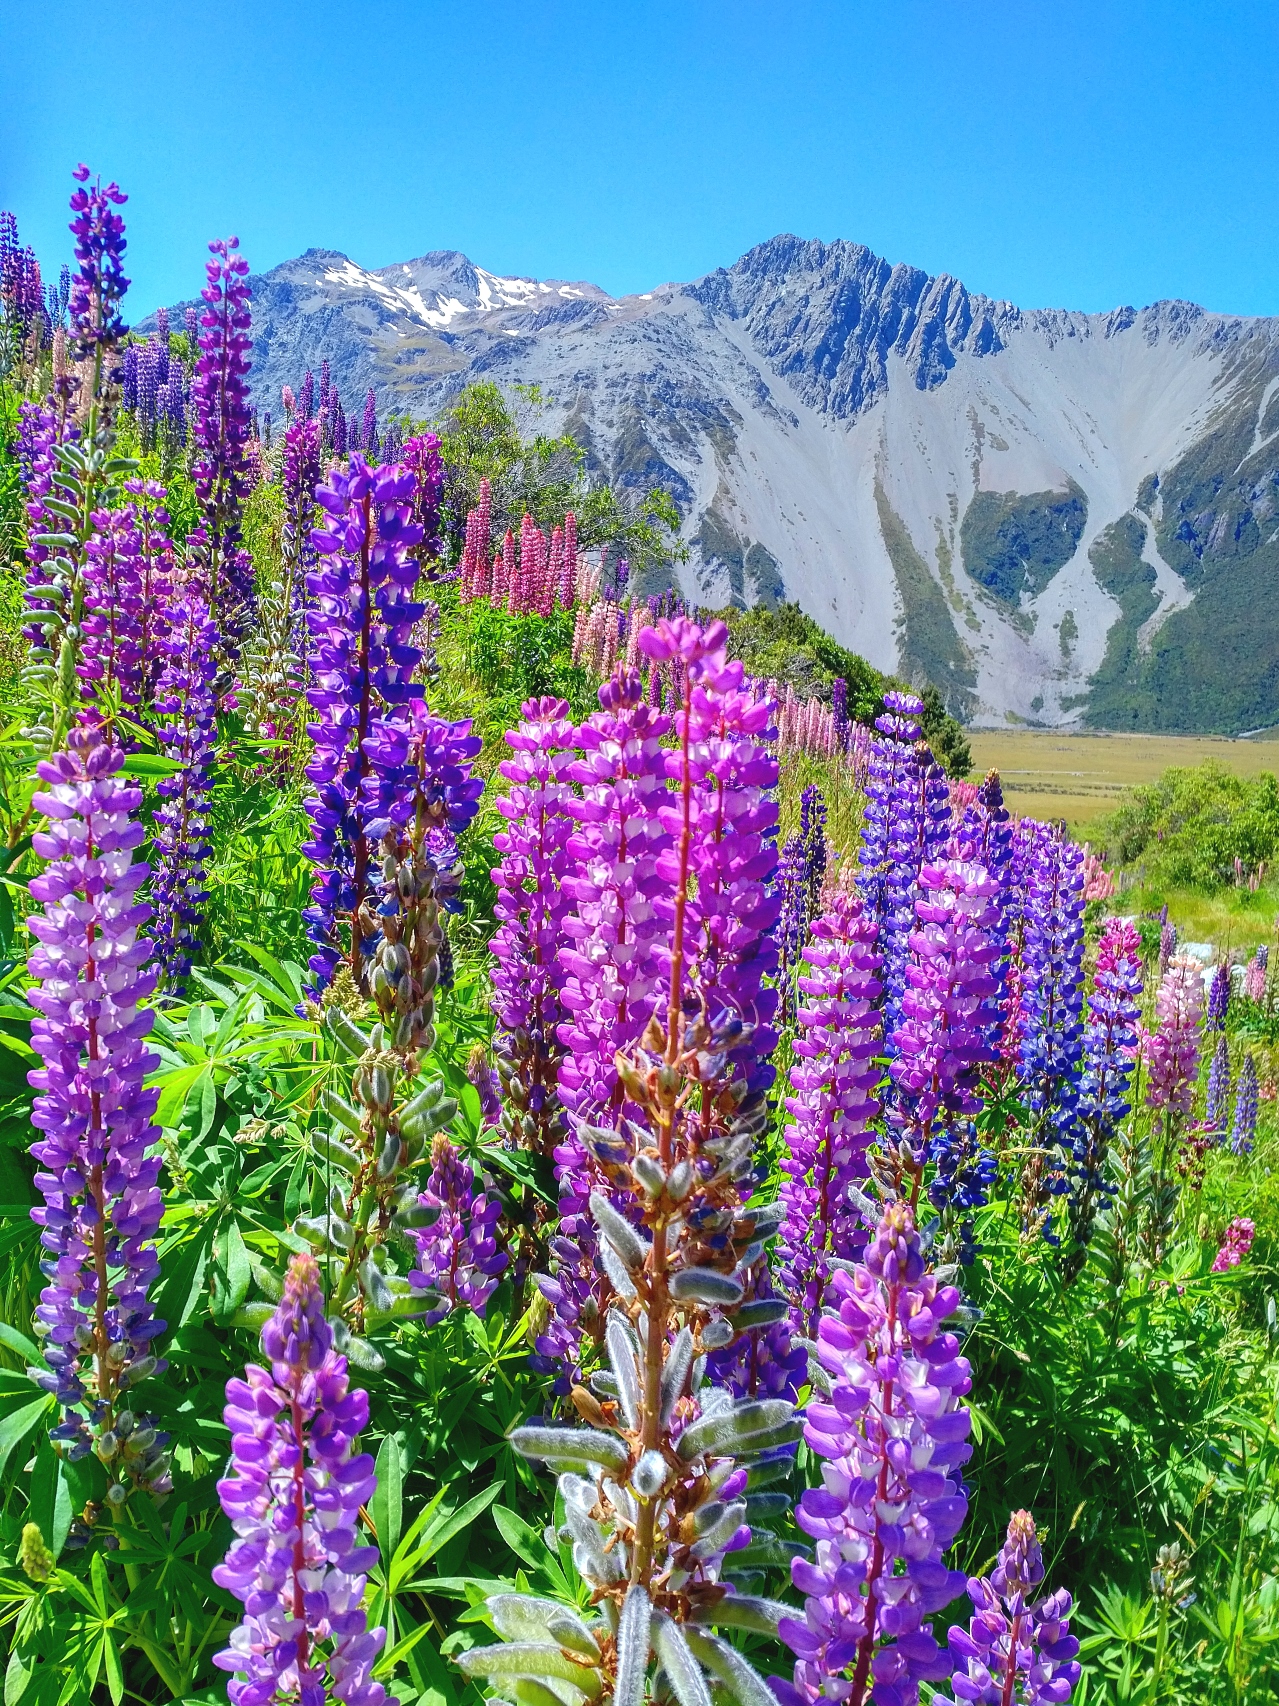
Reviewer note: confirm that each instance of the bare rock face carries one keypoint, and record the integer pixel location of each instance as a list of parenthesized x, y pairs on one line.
[(1060, 518)]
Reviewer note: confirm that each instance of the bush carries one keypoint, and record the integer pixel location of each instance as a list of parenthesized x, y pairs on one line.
[(1187, 829)]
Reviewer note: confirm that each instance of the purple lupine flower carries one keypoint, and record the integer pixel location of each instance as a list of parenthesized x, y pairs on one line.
[(185, 718), (984, 837), (155, 582), (102, 1204), (481, 1076), (839, 712), (1167, 943), (530, 907), (832, 1106), (306, 396), (792, 919), (892, 758), (1218, 998), (1110, 1046), (368, 428), (360, 618), (99, 283), (1171, 1051), (812, 832), (918, 835), (293, 1497), (422, 456), (129, 378), (220, 398), (1243, 1128), (299, 476), (893, 1437), (457, 1256), (948, 1011), (1016, 1651), (191, 325), (36, 452), (111, 659), (1050, 1017), (171, 407), (326, 380), (1217, 1097), (340, 440)]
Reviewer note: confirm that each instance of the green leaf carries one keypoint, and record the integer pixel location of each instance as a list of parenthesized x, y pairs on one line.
[(18, 1424), (18, 1342), (201, 1106), (115, 1672), (523, 1540), (387, 1505), (17, 1675), (143, 765), (182, 1283), (233, 1270), (50, 1498)]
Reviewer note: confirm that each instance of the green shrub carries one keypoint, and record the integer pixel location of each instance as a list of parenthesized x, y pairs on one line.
[(1187, 829)]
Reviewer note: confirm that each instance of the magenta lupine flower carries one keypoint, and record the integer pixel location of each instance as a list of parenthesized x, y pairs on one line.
[(102, 1206), (1171, 1051), (98, 284), (220, 397), (185, 726), (530, 907), (360, 618), (893, 1436), (730, 817), (1016, 1651), (832, 1106), (457, 1256), (949, 1012), (613, 976), (293, 1496), (1234, 1246)]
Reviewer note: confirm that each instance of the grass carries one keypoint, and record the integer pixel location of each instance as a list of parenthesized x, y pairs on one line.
[(1082, 777)]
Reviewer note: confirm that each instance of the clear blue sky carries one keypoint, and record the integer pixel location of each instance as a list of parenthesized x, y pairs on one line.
[(1054, 152)]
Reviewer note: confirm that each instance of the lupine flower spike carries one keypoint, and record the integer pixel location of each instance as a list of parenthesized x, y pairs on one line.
[(293, 1497)]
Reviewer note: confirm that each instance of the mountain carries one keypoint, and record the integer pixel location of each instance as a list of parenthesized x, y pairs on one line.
[(1061, 518)]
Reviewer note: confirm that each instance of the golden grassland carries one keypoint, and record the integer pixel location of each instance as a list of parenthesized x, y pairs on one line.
[(1082, 777)]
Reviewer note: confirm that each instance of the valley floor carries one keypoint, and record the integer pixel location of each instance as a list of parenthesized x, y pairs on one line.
[(1081, 777)]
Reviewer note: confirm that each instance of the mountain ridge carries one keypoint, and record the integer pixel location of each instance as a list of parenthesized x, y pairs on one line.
[(1063, 518)]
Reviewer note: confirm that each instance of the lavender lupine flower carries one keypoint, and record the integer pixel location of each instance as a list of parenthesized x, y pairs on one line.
[(1167, 943), (1016, 1651), (530, 907), (299, 476), (1050, 1017), (220, 398), (102, 1205), (129, 377), (99, 283), (893, 1436), (1254, 977), (293, 1497), (171, 407), (185, 718), (832, 1106), (1217, 1098), (839, 711), (457, 1257), (892, 758), (985, 837), (36, 452), (1218, 998), (155, 583), (1109, 1058), (306, 396), (1244, 1126), (481, 1076), (360, 618), (919, 834)]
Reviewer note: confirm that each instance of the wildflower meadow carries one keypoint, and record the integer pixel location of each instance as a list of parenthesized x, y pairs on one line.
[(544, 1165)]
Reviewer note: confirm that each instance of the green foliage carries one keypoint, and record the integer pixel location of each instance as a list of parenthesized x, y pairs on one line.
[(1015, 542), (1188, 828), (787, 646), (482, 436)]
